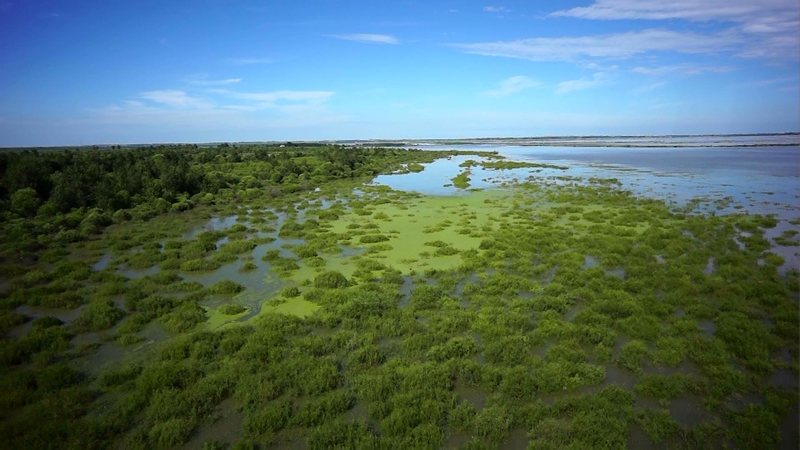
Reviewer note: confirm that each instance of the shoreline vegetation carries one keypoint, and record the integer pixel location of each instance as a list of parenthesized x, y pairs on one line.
[(249, 296)]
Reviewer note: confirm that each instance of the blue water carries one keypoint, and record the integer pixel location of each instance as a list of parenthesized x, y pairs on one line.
[(763, 180)]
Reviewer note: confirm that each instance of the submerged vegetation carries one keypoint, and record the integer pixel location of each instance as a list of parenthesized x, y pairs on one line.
[(257, 296)]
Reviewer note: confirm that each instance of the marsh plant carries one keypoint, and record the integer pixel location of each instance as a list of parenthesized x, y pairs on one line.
[(272, 296)]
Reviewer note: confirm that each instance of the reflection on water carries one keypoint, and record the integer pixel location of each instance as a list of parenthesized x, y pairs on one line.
[(102, 263), (214, 224)]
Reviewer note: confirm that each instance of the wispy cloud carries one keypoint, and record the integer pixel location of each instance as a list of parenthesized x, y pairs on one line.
[(204, 80), (649, 87), (174, 99), (770, 82), (221, 108), (311, 97), (609, 46), (5, 6), (512, 85), (680, 69), (496, 9), (730, 10), (581, 84), (250, 61), (366, 38), (772, 25)]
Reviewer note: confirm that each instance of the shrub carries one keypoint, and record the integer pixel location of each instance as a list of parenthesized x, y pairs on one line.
[(119, 375), (41, 323), (184, 318), (237, 247), (58, 376), (231, 309), (493, 423), (331, 280), (291, 292), (663, 388), (170, 433), (632, 356), (373, 238), (226, 287), (323, 409), (269, 419), (340, 434), (249, 266), (271, 255), (10, 318), (657, 424), (101, 314), (427, 297), (199, 265), (462, 417)]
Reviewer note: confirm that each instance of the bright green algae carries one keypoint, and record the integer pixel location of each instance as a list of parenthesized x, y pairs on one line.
[(541, 315)]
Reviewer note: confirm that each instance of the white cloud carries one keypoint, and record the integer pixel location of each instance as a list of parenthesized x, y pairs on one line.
[(174, 99), (581, 84), (226, 110), (595, 66), (727, 10), (772, 25), (610, 46), (204, 80), (366, 38), (250, 61), (650, 87), (310, 97), (496, 9), (512, 85), (681, 69)]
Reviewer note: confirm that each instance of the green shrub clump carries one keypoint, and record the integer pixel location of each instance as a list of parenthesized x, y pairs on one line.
[(331, 280), (232, 309)]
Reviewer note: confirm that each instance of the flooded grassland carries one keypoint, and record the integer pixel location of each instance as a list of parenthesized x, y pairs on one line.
[(470, 302)]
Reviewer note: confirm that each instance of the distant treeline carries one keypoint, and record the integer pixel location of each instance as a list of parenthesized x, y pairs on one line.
[(119, 179)]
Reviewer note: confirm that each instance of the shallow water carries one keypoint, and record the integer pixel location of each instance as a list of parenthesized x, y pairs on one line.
[(224, 426), (215, 223), (762, 179)]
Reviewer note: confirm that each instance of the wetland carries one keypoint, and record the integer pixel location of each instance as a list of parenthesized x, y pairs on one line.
[(476, 297)]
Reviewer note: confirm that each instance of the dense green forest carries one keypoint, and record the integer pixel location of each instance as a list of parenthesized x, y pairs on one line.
[(260, 296), (68, 195)]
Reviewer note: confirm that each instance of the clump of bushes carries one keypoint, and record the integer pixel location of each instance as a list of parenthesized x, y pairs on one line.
[(632, 356), (373, 238), (232, 309), (200, 265), (331, 280), (184, 318), (100, 314), (226, 287)]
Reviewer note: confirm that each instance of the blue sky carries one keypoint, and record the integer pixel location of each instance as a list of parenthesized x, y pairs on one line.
[(112, 71)]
